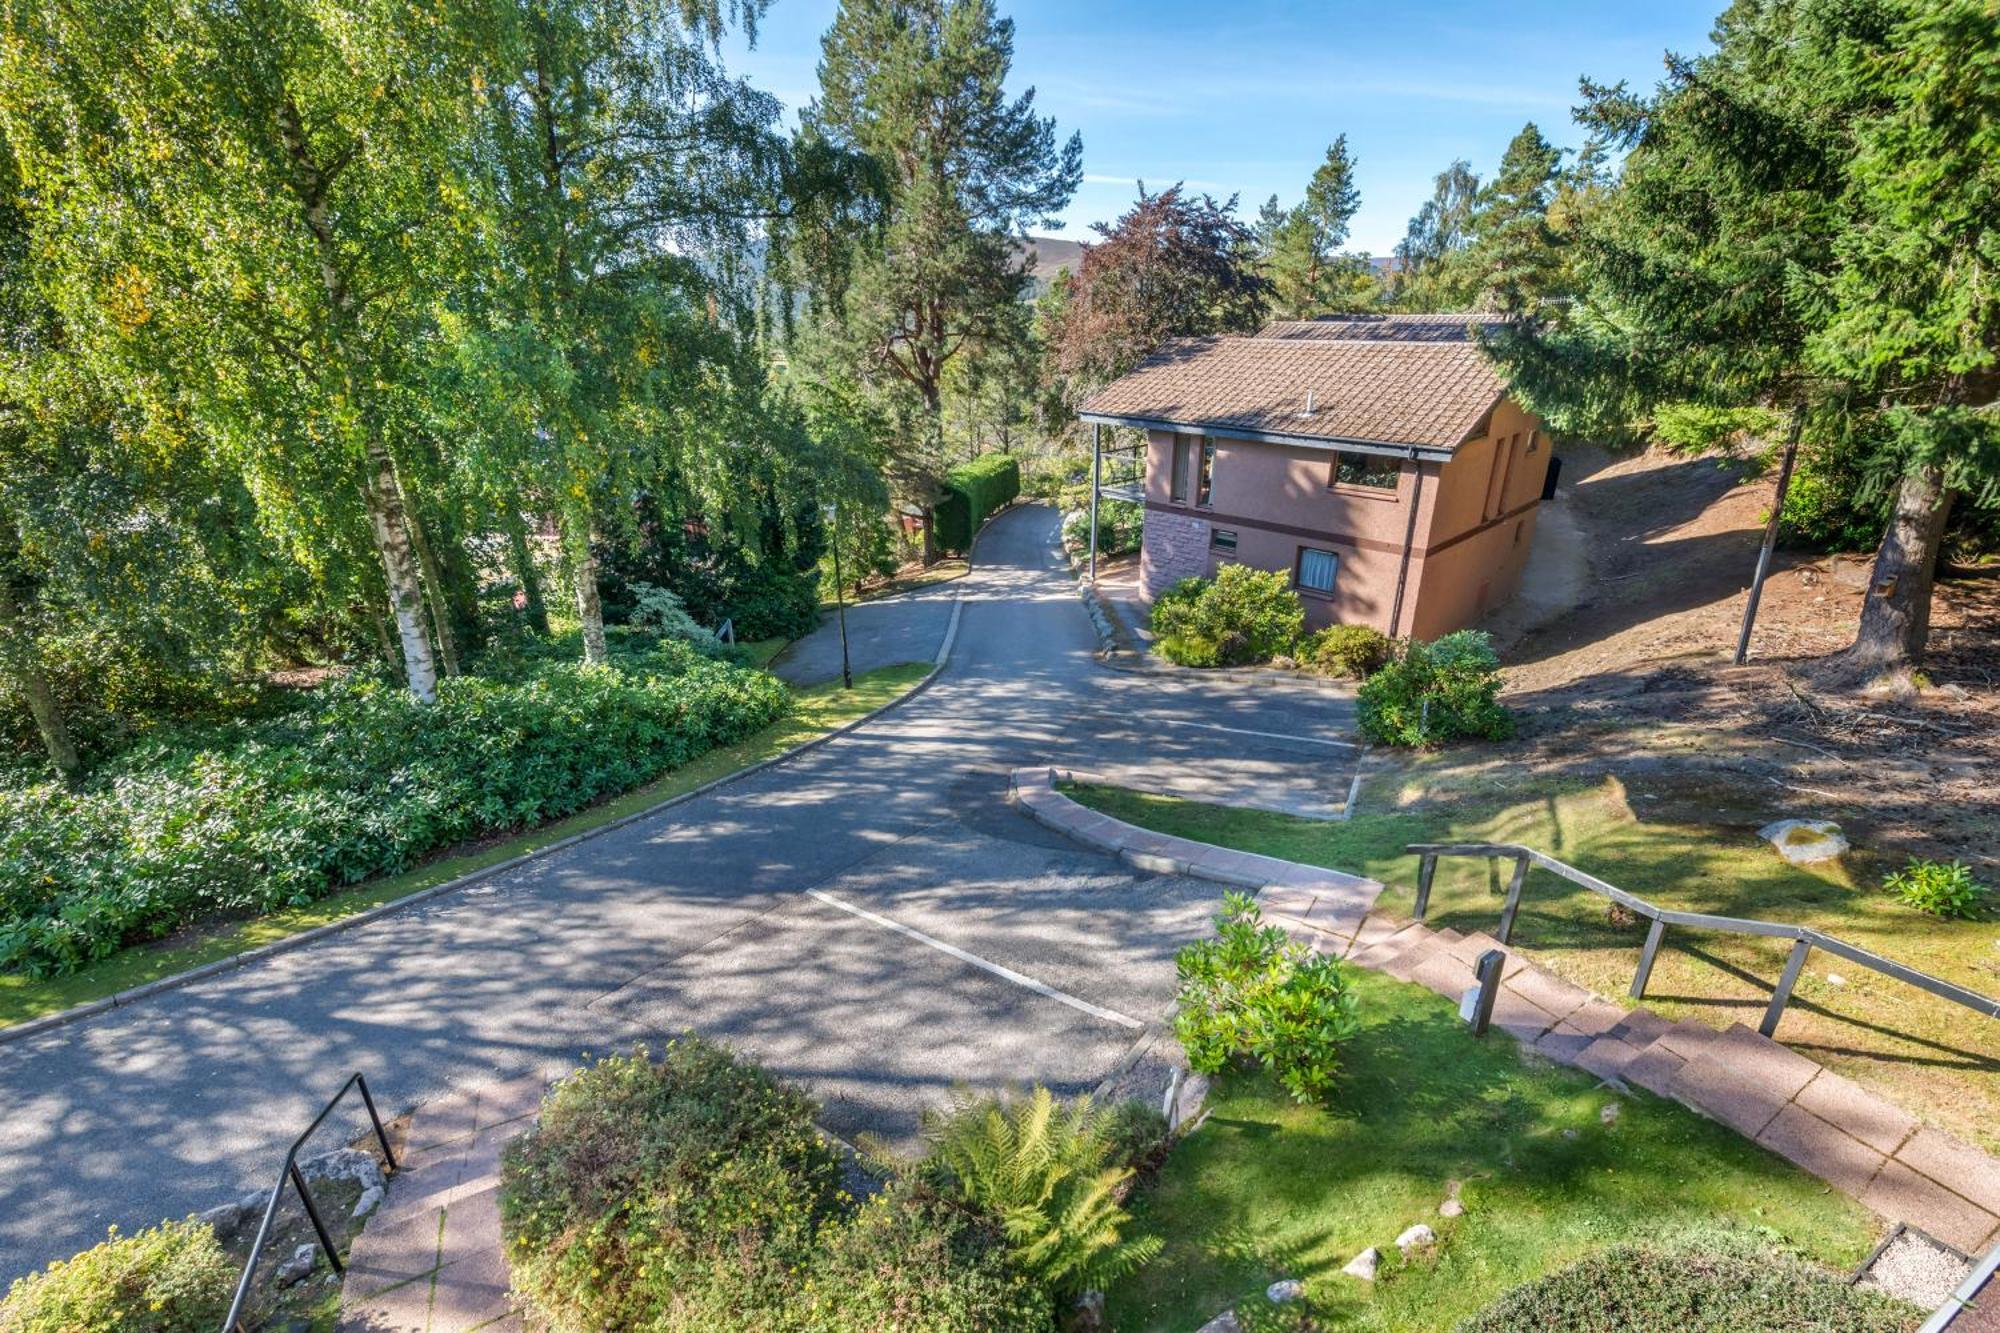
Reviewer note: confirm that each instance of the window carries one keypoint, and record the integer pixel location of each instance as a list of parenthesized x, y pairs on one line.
[(1205, 483), (1179, 492), (1315, 571), (1365, 470), (1221, 539)]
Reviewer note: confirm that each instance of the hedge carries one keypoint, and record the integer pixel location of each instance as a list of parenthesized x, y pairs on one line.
[(172, 1278), (972, 491), (353, 780)]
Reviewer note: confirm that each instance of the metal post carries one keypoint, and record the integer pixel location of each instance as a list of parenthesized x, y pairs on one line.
[(1770, 536), (312, 1211), (375, 1118), (1783, 995), (1654, 935), (840, 602), (1426, 870), (1096, 478), (1488, 971), (1506, 930)]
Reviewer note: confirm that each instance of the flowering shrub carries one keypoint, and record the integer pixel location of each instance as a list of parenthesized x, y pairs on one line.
[(172, 1278), (357, 779)]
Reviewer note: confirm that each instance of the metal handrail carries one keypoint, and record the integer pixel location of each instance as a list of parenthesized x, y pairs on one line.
[(1804, 938), (290, 1171)]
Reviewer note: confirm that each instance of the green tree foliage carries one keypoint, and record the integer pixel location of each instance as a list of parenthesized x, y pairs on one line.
[(917, 88), (1802, 223), (1309, 273), (1175, 265), (1044, 1172), (1434, 692), (1514, 252), (1441, 229), (239, 211), (973, 492)]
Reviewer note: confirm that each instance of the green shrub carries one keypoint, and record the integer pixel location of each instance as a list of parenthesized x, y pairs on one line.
[(172, 1278), (1241, 616), (1252, 992), (1660, 1289), (677, 1193), (1436, 692), (1941, 888), (916, 1264), (356, 779), (1121, 528), (1352, 651), (1138, 1134), (972, 492), (1043, 1172)]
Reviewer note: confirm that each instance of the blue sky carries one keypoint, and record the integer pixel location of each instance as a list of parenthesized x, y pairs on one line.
[(1243, 98)]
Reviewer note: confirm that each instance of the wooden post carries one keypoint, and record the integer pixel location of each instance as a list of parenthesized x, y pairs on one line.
[(1513, 898), (1096, 478), (1770, 535), (1426, 869)]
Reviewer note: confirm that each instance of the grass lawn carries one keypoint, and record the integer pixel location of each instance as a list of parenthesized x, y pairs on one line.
[(1936, 1058), (820, 709), (1266, 1188)]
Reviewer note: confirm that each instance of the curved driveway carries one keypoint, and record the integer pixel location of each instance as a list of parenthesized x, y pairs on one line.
[(870, 917)]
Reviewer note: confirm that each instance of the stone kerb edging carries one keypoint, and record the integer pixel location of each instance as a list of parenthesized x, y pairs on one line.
[(1863, 1145)]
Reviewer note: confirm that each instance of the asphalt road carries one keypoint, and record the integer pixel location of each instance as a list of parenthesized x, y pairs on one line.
[(870, 917)]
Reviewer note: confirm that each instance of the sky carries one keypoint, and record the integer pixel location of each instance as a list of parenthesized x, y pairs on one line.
[(1243, 98)]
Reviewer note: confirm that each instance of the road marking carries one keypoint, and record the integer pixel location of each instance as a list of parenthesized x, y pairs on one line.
[(1245, 731), (1004, 973)]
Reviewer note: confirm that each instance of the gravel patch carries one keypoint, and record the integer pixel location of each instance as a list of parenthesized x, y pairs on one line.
[(1917, 1269)]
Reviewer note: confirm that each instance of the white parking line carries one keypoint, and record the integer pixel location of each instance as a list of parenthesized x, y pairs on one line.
[(1004, 973), (1245, 731)]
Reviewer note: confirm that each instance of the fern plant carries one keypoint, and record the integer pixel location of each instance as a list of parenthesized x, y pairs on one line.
[(1043, 1172)]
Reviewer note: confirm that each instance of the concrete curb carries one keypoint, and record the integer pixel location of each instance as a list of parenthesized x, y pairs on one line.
[(36, 1026)]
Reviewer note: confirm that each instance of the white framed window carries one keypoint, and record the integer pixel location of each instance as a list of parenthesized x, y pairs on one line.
[(1315, 571)]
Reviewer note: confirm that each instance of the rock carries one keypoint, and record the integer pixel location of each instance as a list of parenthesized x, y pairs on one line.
[(1451, 1208), (1416, 1237), (1805, 841), (1222, 1323), (254, 1203), (1835, 979), (299, 1267), (370, 1200), (344, 1164), (223, 1219), (1364, 1264), (1086, 1314), (1610, 1111), (1284, 1291)]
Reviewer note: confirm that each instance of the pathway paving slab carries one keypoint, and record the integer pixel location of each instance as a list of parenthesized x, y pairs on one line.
[(1963, 1168), (1654, 1069), (1608, 1057), (1840, 1159), (1688, 1038), (1861, 1113), (1712, 1083), (1899, 1192), (1641, 1027), (1564, 1044), (1546, 991)]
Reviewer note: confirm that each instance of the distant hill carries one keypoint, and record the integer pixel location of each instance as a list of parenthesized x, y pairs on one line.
[(1050, 255)]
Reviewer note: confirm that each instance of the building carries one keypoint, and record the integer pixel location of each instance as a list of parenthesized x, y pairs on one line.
[(1376, 460)]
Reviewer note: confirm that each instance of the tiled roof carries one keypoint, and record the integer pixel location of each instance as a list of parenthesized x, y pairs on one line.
[(1384, 328), (1431, 394)]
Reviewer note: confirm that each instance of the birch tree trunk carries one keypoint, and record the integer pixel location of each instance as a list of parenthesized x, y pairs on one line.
[(389, 521), (1896, 614), (21, 659), (525, 574), (583, 573)]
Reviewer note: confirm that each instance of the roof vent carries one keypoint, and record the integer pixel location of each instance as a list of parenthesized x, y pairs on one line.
[(1309, 404)]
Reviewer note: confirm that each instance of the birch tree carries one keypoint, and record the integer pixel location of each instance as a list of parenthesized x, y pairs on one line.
[(240, 202)]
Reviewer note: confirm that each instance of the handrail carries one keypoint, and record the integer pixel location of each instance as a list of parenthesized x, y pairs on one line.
[(1804, 938), (726, 631), (290, 1171)]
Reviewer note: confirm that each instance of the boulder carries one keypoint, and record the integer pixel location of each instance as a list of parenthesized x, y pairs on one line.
[(1364, 1264), (1805, 841), (1451, 1208), (344, 1164), (299, 1267), (1416, 1238), (1226, 1322), (1284, 1291), (370, 1200)]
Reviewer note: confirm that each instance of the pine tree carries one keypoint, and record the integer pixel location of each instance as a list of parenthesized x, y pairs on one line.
[(1514, 253), (917, 87), (1309, 273)]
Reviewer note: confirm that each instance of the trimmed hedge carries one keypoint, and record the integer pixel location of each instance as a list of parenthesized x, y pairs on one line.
[(1659, 1289), (972, 492), (172, 1278), (354, 780)]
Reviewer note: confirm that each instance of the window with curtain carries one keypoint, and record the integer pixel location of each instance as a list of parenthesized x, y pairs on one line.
[(1316, 570), (1205, 484), (1179, 492)]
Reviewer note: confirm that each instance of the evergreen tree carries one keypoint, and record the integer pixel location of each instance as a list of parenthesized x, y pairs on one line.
[(1309, 273), (918, 88), (1514, 254)]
